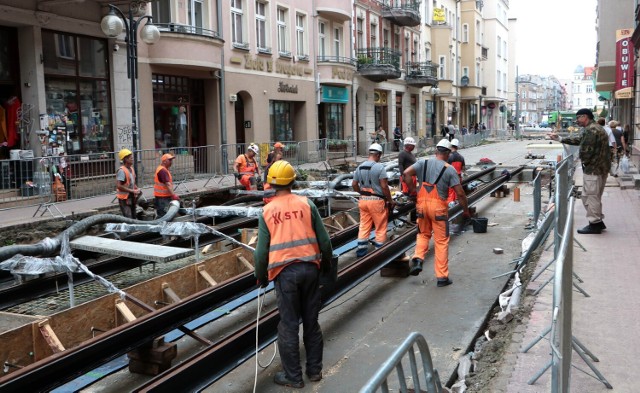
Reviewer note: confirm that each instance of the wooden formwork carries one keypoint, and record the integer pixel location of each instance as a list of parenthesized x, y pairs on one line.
[(27, 339)]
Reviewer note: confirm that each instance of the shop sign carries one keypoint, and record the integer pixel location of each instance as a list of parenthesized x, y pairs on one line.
[(287, 88), (624, 64), (334, 94), (257, 64), (341, 73)]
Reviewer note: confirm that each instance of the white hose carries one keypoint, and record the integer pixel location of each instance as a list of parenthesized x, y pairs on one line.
[(275, 347)]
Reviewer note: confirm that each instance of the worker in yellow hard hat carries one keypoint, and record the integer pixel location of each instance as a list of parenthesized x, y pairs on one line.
[(293, 246), (127, 191)]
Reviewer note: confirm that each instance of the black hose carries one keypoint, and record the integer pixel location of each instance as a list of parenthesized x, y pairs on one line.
[(48, 245)]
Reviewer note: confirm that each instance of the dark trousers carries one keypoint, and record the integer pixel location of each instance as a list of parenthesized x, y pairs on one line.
[(299, 298), (161, 205)]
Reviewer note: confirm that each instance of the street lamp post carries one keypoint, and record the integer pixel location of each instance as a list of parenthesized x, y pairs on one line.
[(112, 25)]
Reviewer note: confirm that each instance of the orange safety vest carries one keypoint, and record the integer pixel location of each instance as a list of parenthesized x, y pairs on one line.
[(127, 177), (161, 190), (249, 167), (293, 238)]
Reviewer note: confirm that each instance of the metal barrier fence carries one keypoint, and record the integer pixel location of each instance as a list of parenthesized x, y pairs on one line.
[(428, 373)]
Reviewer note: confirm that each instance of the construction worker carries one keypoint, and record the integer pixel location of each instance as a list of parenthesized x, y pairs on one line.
[(127, 191), (293, 246), (370, 180), (405, 160), (246, 168), (457, 162), (435, 177), (268, 190), (163, 185), (277, 148)]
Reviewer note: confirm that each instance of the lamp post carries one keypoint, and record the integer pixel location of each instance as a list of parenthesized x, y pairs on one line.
[(480, 110), (458, 60), (112, 25)]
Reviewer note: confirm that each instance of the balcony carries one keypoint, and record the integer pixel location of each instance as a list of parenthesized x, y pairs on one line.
[(421, 74), (402, 12), (336, 59), (336, 70), (339, 10), (379, 64), (485, 53), (188, 46), (186, 29)]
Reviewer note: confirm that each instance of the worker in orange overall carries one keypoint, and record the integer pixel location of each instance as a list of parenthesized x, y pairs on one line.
[(127, 191), (246, 168), (435, 177), (163, 192), (457, 162), (293, 247), (370, 180)]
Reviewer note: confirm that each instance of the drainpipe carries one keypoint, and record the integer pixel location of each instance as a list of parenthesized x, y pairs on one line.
[(223, 108)]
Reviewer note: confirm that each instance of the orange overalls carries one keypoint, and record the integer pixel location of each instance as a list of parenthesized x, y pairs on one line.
[(433, 214), (373, 212), (248, 170)]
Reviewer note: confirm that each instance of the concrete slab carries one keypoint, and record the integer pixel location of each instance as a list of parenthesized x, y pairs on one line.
[(147, 252)]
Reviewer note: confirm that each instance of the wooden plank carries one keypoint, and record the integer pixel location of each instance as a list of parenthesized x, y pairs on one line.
[(124, 310), (203, 273), (170, 293), (245, 262), (147, 252), (50, 336)]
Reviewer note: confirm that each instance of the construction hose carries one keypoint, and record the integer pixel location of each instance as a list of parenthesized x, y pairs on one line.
[(48, 245)]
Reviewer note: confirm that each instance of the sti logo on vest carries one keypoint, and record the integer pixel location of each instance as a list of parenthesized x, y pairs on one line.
[(280, 217)]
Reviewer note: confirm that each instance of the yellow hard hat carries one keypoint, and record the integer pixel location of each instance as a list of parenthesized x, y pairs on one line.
[(281, 173), (123, 153)]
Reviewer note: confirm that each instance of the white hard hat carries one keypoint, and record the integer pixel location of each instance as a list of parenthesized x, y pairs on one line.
[(254, 148), (444, 143), (375, 147), (409, 141), (455, 142)]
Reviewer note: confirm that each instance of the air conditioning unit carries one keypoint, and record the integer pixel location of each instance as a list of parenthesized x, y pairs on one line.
[(233, 97)]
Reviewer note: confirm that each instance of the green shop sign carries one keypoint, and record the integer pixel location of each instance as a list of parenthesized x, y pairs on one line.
[(339, 95)]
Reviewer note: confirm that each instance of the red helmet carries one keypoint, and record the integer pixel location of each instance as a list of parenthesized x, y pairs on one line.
[(278, 145)]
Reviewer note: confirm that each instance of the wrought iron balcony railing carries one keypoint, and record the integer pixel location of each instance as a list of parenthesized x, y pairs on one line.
[(186, 29), (336, 59)]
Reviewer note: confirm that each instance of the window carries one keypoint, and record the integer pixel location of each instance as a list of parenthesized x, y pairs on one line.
[(499, 46), (498, 81), (504, 81), (161, 11), (465, 33), (504, 49), (465, 71), (237, 17), (385, 38), (76, 78), (441, 67), (589, 89), (281, 115), (359, 33), (300, 35), (414, 50), (374, 35), (406, 49), (261, 27), (337, 41), (322, 40), (283, 47), (477, 33), (478, 81), (589, 101), (195, 14)]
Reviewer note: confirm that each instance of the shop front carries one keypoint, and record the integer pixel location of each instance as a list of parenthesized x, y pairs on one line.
[(331, 112)]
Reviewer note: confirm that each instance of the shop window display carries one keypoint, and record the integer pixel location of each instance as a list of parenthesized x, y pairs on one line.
[(77, 95), (281, 119)]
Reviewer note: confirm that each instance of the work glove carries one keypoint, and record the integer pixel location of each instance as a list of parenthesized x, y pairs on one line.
[(238, 176), (466, 215), (175, 197), (262, 283)]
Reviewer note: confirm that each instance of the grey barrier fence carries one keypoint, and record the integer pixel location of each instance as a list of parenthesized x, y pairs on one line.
[(562, 341), (420, 372), (313, 151)]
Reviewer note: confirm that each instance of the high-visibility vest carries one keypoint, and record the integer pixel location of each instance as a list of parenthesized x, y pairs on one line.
[(249, 167), (293, 239), (161, 190), (127, 181)]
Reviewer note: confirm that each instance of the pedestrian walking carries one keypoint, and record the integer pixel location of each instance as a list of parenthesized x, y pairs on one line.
[(127, 191), (596, 163), (293, 247), (163, 192), (246, 168), (451, 129), (371, 182), (435, 177)]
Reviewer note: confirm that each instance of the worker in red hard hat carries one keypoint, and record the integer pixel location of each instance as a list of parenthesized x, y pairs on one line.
[(435, 177), (163, 192), (278, 147)]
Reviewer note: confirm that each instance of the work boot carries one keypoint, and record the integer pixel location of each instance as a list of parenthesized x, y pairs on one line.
[(360, 252), (281, 379), (315, 377), (416, 266), (599, 225), (591, 229), (443, 282)]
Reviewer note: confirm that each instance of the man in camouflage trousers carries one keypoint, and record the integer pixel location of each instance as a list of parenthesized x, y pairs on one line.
[(596, 162)]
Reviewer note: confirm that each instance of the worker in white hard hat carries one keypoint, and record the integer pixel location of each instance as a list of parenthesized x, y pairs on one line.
[(370, 180), (405, 160), (435, 177), (246, 168), (457, 162), (127, 191)]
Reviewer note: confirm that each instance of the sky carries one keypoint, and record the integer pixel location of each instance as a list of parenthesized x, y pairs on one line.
[(554, 36)]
